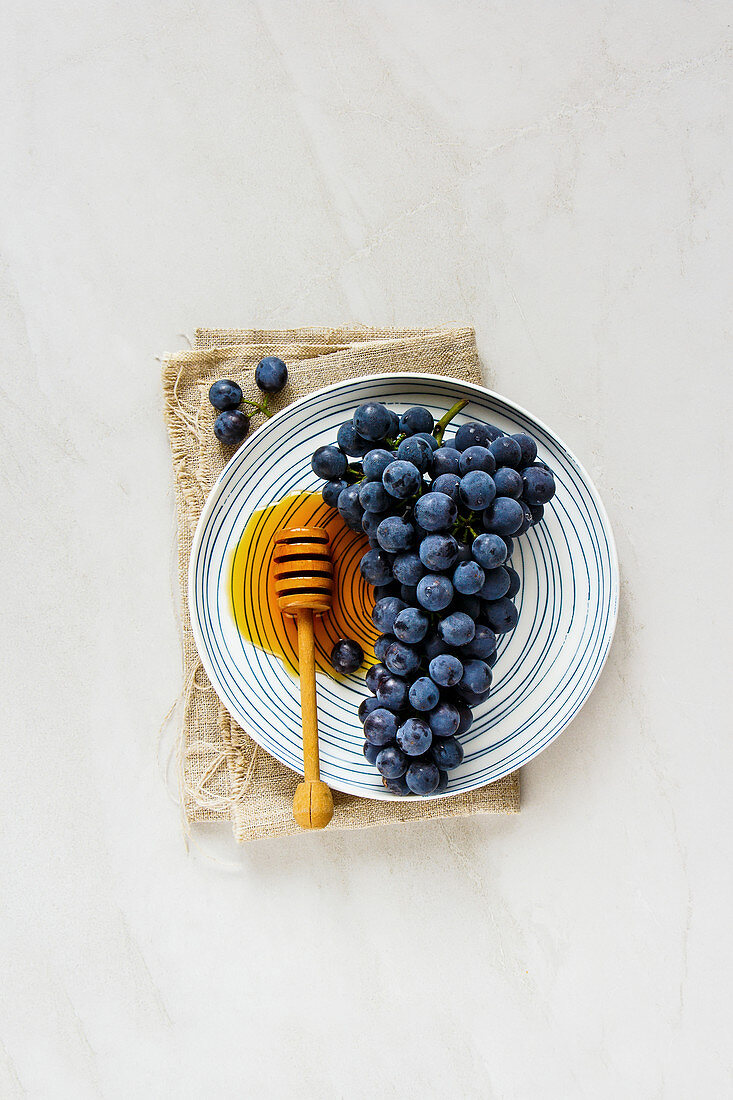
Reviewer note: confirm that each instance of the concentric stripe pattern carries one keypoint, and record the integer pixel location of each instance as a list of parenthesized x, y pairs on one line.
[(547, 665)]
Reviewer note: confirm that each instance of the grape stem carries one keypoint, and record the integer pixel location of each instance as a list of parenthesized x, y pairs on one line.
[(439, 429), (264, 407)]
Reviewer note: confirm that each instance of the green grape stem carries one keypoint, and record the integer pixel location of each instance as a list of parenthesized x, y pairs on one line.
[(439, 429), (263, 407)]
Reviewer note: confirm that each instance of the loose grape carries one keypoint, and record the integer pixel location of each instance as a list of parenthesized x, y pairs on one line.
[(347, 655)]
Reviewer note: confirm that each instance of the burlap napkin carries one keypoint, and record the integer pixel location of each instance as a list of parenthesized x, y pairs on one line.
[(224, 773)]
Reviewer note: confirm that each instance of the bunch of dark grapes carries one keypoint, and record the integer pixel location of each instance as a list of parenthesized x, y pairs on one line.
[(441, 518)]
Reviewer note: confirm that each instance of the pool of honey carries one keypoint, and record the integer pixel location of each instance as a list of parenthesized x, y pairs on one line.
[(252, 594)]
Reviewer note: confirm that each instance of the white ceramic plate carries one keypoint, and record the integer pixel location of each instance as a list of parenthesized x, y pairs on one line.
[(547, 666)]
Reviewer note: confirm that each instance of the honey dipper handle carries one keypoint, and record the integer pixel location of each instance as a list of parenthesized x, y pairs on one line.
[(313, 801), (307, 669)]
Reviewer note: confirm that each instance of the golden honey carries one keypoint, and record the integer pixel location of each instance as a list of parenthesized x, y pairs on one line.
[(252, 591)]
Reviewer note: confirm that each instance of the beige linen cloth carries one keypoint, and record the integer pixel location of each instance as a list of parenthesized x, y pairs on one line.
[(225, 775)]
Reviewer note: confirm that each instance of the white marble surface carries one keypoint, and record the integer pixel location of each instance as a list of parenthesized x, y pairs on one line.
[(559, 175)]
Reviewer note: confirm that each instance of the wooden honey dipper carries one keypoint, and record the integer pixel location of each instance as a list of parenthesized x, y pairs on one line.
[(303, 574)]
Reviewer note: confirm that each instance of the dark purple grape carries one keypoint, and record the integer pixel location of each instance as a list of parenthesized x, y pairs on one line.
[(376, 462), (384, 613), (465, 718), (411, 625), (514, 582), (271, 374), (483, 643), (447, 753), (476, 676), (401, 479), (407, 568), (394, 534), (347, 655), (225, 395), (476, 458), (350, 442), (528, 447), (391, 762), (417, 419), (436, 511), (438, 552), (231, 427), (539, 485), (366, 706), (508, 483), (473, 435), (501, 615), (422, 777), (468, 578), (329, 463), (416, 451), (376, 567), (372, 421), (434, 592), (446, 460), (382, 644), (446, 670), (457, 628), (477, 490), (401, 659), (506, 451), (448, 484), (504, 517), (380, 727), (414, 737), (496, 584), (371, 752), (424, 694), (375, 675), (445, 719), (331, 491), (396, 786), (373, 496), (393, 692)]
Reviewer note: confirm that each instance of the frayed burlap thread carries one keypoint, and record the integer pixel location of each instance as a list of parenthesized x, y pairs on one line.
[(224, 774)]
